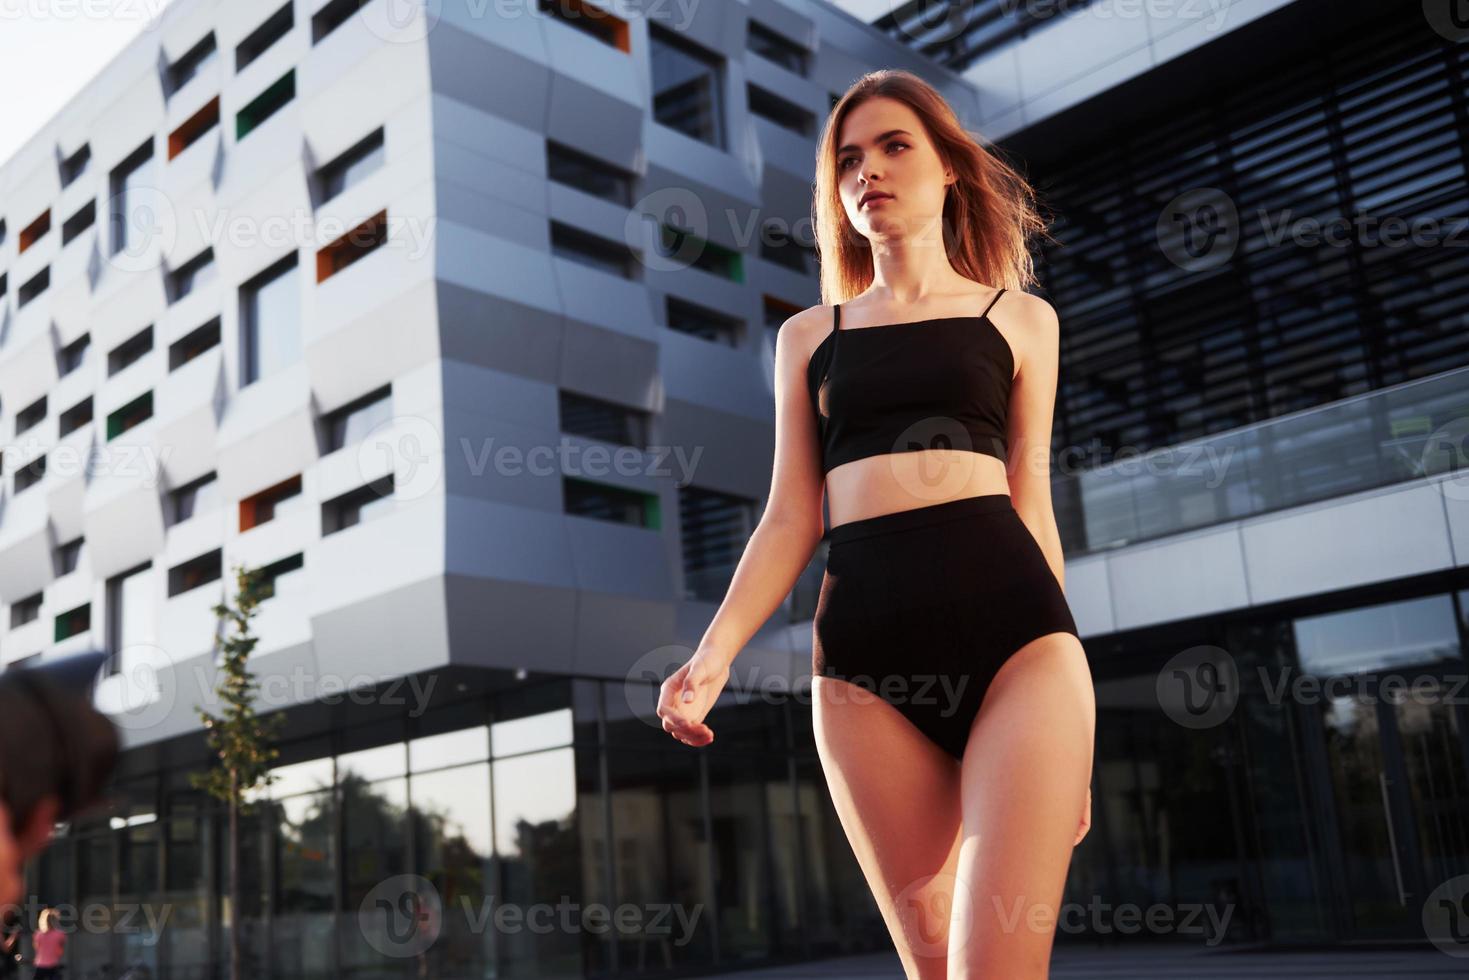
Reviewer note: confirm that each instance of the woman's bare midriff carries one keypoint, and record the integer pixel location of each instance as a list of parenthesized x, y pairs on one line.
[(878, 485)]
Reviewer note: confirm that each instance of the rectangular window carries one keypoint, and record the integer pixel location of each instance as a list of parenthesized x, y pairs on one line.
[(685, 86), (192, 129), (568, 242), (713, 528), (594, 418), (134, 413), (590, 20), (73, 166), (133, 197), (72, 622), (270, 315), (4, 283), (192, 344), (195, 572), (702, 254), (198, 271), (702, 322), (282, 576), (265, 105), (358, 505), (608, 503), (76, 416), (332, 16), (30, 474), (777, 48), (68, 555), (85, 217), (351, 165), (129, 350), (586, 173), (778, 245), (265, 506), (193, 61), (32, 232), (357, 243), (788, 115), (276, 26), (31, 415), (195, 497), (73, 354), (131, 613), (349, 424), (33, 287), (27, 610)]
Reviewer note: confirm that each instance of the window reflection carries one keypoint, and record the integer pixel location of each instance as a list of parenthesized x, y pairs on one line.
[(301, 939), (540, 863), (1380, 637), (374, 821), (451, 813), (533, 732)]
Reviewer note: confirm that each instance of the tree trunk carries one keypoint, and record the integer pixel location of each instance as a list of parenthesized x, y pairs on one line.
[(236, 919)]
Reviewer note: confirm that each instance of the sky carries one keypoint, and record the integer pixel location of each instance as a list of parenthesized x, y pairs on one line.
[(50, 50)]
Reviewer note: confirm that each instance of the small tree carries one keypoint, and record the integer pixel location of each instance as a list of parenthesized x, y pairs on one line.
[(239, 739)]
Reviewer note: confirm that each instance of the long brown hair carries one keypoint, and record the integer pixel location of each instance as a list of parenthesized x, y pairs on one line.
[(989, 211)]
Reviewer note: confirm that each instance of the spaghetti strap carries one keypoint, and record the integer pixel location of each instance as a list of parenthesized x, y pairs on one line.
[(993, 302), (836, 316)]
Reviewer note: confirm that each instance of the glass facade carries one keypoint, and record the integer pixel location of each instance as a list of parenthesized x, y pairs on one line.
[(1322, 806), (1337, 175)]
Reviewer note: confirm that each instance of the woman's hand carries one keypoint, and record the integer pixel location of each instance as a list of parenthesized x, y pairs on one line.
[(1086, 819), (687, 695)]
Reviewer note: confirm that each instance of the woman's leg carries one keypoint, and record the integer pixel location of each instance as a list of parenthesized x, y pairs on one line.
[(1024, 779), (897, 796)]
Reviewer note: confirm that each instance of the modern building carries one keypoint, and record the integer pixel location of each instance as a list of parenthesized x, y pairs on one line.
[(456, 320), (1262, 277), (468, 321)]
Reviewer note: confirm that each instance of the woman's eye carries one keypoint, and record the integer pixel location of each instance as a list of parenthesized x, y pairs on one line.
[(842, 165)]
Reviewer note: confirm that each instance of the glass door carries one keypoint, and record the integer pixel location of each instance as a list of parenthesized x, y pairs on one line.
[(1395, 786)]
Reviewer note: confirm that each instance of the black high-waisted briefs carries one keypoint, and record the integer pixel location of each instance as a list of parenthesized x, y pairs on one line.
[(923, 606)]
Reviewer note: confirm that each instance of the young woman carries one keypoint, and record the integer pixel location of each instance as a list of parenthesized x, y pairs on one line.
[(50, 943), (952, 700)]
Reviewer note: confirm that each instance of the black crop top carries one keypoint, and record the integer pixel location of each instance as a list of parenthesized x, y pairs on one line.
[(940, 383)]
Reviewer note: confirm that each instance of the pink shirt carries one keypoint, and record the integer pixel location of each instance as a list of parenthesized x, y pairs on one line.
[(49, 945)]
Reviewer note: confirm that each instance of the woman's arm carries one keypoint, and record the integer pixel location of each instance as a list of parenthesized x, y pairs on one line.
[(1032, 400)]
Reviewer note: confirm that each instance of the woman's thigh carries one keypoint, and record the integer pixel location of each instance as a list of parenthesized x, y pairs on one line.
[(1023, 785), (897, 796)]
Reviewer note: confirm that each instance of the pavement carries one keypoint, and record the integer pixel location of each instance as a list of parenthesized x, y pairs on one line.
[(1072, 962)]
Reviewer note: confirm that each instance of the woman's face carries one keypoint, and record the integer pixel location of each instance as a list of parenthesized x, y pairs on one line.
[(882, 148)]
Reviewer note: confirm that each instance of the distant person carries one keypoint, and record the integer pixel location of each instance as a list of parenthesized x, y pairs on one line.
[(10, 932), (50, 943)]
